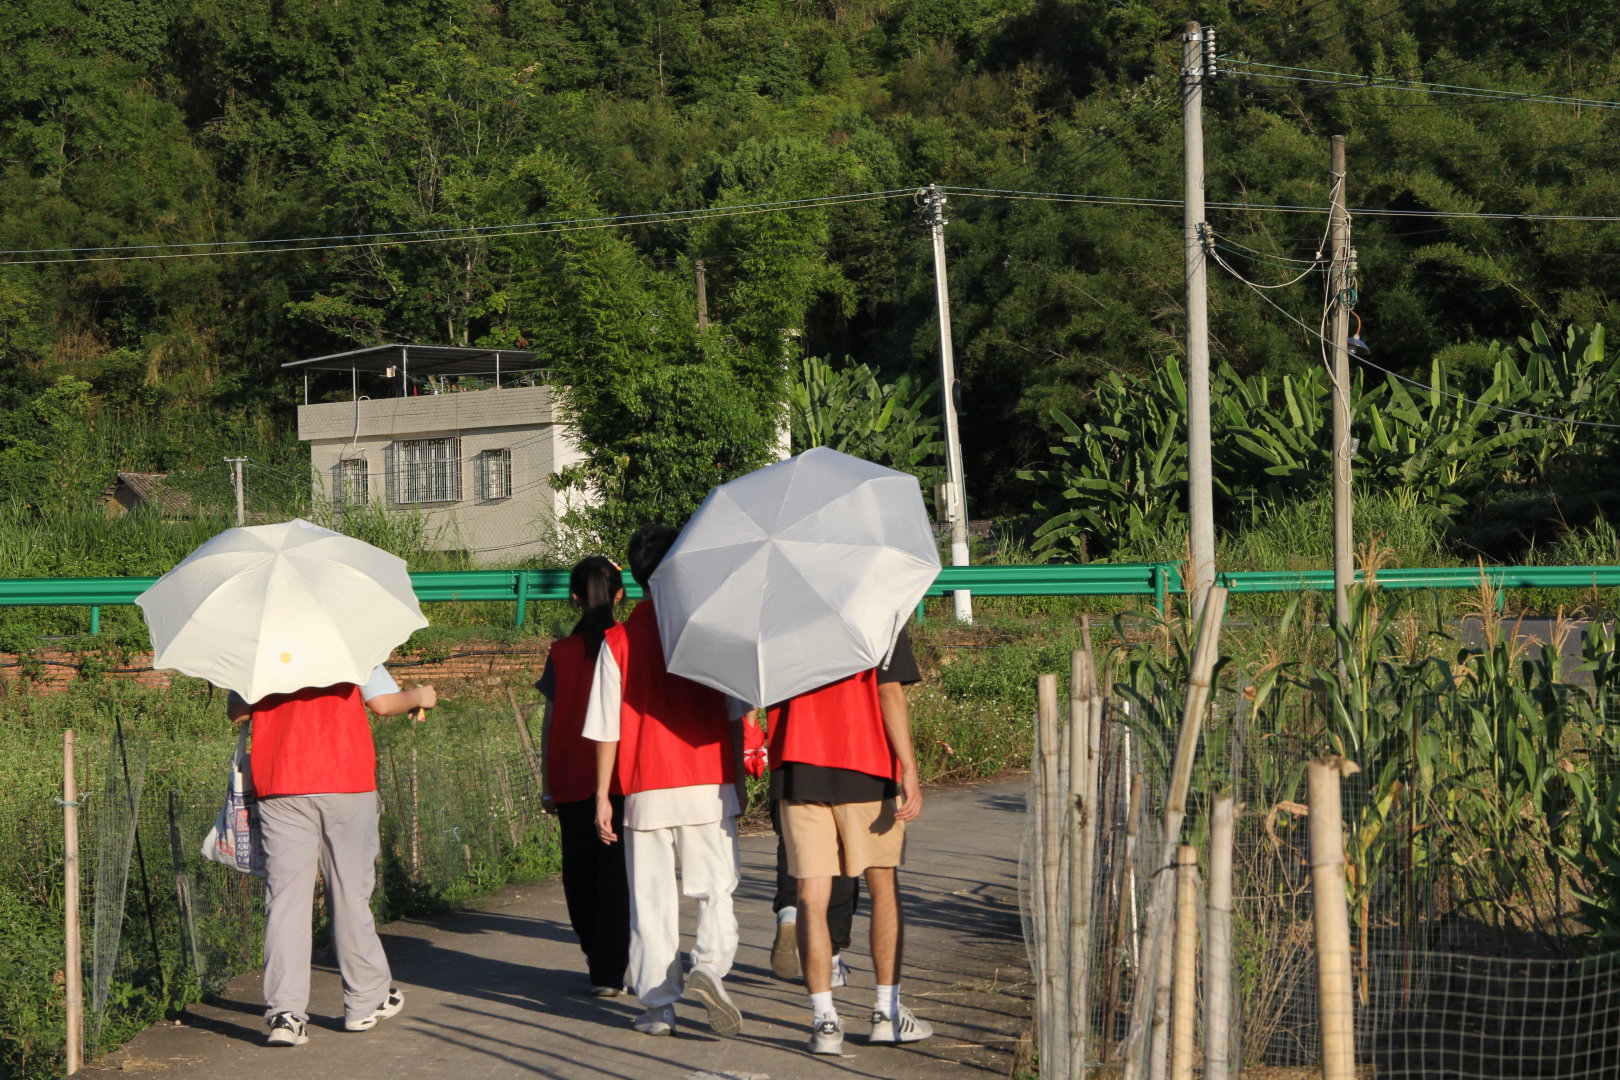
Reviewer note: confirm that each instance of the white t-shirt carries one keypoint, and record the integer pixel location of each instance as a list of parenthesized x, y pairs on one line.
[(660, 808)]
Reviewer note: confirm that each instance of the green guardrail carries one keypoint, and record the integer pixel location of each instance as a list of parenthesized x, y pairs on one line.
[(1157, 580)]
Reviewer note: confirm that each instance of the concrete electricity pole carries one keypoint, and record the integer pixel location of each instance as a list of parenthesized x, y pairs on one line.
[(1340, 287), (1200, 497), (236, 481), (956, 500), (702, 295)]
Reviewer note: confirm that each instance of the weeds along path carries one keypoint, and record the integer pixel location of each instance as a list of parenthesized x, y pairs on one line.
[(499, 990)]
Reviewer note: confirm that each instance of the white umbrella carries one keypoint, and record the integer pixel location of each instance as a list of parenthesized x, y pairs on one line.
[(268, 609), (794, 576)]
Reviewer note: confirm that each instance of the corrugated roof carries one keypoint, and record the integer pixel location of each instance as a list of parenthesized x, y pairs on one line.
[(153, 490)]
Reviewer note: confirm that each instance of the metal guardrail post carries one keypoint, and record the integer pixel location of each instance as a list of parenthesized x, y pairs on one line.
[(522, 596), (95, 619)]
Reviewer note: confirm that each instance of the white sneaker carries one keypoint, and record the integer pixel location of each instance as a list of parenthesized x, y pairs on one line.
[(907, 1028), (725, 1018), (287, 1030), (827, 1038), (658, 1020), (785, 949), (391, 1005), (840, 974)]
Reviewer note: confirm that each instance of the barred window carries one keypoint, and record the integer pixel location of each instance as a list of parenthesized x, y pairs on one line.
[(427, 470), (351, 482), (495, 474)]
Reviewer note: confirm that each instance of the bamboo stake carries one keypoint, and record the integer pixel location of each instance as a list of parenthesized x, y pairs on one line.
[(528, 741), (1335, 992), (1081, 816), (1218, 944), (1186, 970), (1146, 1007), (1050, 832), (73, 965)]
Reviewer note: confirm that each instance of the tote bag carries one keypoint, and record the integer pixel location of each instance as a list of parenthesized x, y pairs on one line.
[(236, 839)]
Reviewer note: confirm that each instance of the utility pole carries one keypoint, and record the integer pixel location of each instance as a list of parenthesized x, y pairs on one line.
[(1339, 284), (236, 482), (702, 296), (1200, 497), (956, 502)]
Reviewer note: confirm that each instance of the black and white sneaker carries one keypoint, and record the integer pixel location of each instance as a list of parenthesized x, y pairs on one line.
[(903, 1029), (827, 1038), (391, 1005), (286, 1030)]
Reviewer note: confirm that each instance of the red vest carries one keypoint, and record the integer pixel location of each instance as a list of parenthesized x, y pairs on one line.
[(839, 726), (315, 741), (673, 732), (570, 757)]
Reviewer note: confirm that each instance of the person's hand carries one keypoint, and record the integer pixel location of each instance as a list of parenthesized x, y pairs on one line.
[(547, 804), (426, 698), (604, 821), (911, 798)]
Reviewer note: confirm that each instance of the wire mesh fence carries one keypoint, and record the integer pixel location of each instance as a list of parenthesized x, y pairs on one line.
[(1478, 929), (461, 813)]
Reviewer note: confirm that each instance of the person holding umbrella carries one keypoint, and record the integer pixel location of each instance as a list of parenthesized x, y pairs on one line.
[(315, 774), (675, 749), (839, 756), (296, 620)]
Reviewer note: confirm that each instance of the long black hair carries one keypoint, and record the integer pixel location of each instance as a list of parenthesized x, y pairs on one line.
[(595, 583)]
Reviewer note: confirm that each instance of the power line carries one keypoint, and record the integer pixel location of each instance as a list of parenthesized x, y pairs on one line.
[(1317, 333), (480, 232), (1385, 82)]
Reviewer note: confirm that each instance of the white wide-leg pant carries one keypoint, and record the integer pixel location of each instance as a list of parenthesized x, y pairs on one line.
[(707, 856)]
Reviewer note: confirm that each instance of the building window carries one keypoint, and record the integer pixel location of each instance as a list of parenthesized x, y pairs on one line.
[(428, 470), (495, 474), (351, 482)]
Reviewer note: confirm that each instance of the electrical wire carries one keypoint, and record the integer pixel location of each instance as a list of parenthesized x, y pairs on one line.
[(1385, 82), (1319, 334), (223, 247)]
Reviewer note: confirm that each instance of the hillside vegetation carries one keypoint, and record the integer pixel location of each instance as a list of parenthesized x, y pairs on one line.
[(371, 171)]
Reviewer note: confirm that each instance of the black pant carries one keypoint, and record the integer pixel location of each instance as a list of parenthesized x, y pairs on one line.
[(846, 891), (596, 889)]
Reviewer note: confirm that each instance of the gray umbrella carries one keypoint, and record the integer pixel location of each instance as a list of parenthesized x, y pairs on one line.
[(794, 576)]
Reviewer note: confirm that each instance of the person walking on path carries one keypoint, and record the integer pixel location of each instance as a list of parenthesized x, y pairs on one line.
[(315, 773), (843, 902), (675, 748), (593, 874), (840, 756)]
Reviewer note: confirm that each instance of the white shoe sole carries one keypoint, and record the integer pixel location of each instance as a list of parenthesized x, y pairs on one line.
[(725, 1019), (785, 951)]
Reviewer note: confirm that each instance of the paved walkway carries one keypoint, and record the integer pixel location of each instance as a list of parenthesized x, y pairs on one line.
[(499, 990)]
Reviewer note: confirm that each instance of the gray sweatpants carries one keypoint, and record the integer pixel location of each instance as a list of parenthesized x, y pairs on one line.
[(338, 835)]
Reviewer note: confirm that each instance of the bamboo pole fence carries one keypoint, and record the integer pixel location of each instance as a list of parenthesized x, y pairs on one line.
[(1218, 942), (1184, 1014), (73, 967), (1335, 991)]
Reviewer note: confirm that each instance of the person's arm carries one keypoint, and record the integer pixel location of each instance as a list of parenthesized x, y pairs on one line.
[(607, 757), (602, 728), (896, 708), (238, 710), (403, 701), (545, 760)]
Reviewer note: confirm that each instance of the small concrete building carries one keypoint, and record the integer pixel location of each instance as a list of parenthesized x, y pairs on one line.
[(465, 440)]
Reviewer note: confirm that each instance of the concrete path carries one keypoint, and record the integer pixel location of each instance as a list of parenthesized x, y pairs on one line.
[(499, 990)]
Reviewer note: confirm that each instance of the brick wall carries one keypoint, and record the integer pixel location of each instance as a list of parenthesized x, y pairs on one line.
[(51, 672)]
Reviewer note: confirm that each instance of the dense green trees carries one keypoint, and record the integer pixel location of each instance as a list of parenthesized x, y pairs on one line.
[(140, 123)]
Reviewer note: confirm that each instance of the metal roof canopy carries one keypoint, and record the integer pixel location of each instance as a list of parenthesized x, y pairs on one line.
[(421, 360)]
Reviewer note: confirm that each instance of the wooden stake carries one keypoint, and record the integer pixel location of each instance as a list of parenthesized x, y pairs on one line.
[(1218, 944), (72, 962), (1053, 1014), (1146, 1006), (1186, 977), (1335, 992), (1081, 817)]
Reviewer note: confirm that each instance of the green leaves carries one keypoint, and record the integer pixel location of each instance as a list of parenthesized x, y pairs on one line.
[(847, 409)]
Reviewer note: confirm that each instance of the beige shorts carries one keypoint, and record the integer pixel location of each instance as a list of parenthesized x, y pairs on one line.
[(829, 839)]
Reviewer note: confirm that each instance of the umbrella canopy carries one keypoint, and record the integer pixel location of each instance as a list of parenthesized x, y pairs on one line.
[(268, 609), (794, 576)]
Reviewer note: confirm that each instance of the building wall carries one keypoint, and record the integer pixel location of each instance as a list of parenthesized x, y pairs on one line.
[(520, 419)]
